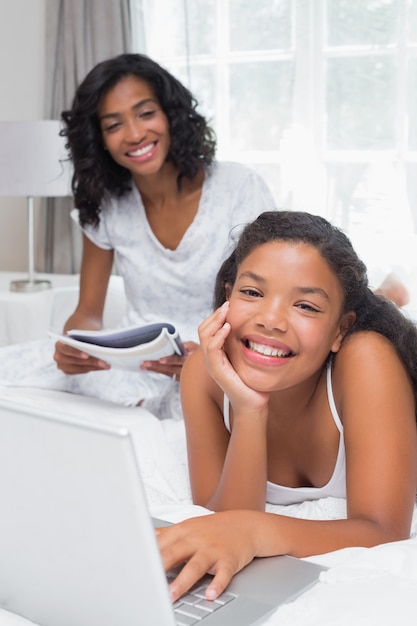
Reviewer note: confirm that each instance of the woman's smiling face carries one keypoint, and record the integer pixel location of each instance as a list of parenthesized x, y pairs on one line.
[(285, 315), (134, 127)]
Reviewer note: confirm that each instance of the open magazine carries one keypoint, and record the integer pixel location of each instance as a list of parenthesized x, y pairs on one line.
[(126, 348)]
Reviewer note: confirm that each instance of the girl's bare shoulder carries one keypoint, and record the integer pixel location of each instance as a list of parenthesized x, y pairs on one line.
[(369, 361), (194, 366), (365, 344)]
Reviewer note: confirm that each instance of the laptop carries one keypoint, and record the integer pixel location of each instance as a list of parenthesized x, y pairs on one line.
[(77, 543)]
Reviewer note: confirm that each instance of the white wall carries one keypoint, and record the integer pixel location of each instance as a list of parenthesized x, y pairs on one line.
[(22, 52)]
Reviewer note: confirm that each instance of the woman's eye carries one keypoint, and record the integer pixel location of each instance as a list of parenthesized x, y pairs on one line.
[(147, 114), (111, 127)]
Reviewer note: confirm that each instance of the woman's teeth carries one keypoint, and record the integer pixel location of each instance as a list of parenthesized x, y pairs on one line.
[(142, 151)]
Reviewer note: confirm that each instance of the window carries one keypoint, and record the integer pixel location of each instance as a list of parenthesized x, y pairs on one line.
[(320, 96)]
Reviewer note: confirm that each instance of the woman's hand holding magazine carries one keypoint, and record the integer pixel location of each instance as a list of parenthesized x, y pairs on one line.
[(126, 348)]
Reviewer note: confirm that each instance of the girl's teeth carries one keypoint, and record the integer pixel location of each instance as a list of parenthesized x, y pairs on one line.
[(267, 350)]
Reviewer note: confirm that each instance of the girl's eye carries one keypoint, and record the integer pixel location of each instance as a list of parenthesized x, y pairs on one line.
[(305, 306), (250, 292)]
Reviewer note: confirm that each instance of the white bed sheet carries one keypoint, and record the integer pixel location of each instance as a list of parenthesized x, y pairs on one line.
[(361, 586)]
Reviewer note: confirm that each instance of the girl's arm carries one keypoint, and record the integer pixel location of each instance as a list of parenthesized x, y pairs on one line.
[(226, 471), (377, 406), (375, 400), (207, 437), (95, 273)]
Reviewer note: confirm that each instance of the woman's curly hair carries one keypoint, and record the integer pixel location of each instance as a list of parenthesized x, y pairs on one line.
[(96, 175), (373, 312)]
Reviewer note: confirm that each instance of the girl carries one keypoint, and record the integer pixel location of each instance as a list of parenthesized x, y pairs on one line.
[(304, 387)]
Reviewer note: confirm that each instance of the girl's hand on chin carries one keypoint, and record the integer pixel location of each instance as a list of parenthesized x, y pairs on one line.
[(213, 333), (220, 544)]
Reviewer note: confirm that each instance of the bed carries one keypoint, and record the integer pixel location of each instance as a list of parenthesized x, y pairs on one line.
[(360, 586)]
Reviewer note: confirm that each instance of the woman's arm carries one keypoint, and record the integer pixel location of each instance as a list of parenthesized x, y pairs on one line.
[(95, 273), (96, 267)]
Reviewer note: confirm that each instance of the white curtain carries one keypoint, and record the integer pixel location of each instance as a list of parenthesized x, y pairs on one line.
[(79, 34), (318, 95)]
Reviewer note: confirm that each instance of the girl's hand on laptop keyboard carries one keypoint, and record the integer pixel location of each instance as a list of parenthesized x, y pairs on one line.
[(219, 544)]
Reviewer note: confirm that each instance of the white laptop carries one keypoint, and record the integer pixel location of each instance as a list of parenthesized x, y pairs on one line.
[(77, 544)]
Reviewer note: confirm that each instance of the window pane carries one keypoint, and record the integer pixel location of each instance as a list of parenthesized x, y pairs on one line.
[(361, 103), (412, 104), (260, 104), (268, 27), (171, 20), (371, 203), (271, 173), (412, 26), (412, 196), (344, 180), (204, 87), (201, 22), (353, 22), (201, 81)]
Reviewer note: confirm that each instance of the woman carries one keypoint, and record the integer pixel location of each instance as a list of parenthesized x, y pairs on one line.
[(152, 200)]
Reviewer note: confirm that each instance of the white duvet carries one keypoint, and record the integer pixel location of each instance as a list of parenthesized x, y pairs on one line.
[(360, 587)]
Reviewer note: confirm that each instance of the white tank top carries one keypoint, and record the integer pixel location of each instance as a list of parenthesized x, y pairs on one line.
[(336, 487)]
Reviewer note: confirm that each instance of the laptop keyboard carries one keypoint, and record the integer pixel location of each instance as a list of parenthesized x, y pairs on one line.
[(193, 607)]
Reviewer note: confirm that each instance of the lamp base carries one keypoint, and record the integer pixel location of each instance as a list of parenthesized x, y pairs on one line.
[(29, 286)]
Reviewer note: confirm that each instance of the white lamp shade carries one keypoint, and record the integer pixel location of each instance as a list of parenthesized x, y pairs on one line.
[(33, 159)]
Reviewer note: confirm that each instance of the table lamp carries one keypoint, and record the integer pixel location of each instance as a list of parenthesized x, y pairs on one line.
[(33, 163)]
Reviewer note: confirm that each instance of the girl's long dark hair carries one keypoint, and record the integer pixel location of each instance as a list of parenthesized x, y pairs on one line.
[(96, 174), (373, 312)]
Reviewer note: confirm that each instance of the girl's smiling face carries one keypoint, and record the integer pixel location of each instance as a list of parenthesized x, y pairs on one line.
[(134, 127), (285, 315)]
